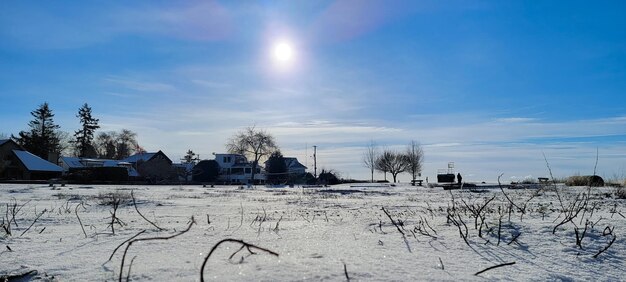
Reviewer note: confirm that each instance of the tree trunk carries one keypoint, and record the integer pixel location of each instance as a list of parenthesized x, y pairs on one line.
[(254, 164)]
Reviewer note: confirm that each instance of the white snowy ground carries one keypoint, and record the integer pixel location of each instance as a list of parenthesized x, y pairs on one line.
[(314, 231)]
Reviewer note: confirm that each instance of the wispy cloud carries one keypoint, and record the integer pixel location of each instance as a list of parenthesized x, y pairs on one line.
[(515, 120), (138, 85)]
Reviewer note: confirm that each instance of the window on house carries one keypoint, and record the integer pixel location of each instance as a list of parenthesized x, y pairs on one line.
[(248, 170)]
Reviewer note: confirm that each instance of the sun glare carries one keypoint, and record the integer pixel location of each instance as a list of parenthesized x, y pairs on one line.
[(283, 52)]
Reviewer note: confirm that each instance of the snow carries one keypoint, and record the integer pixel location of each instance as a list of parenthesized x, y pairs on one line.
[(35, 163), (315, 231), (72, 162)]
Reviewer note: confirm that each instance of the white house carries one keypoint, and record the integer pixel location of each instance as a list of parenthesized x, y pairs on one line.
[(235, 168)]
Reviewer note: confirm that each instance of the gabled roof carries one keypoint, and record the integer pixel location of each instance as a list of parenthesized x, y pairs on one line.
[(6, 141), (139, 157), (72, 162), (145, 157), (35, 163), (293, 163)]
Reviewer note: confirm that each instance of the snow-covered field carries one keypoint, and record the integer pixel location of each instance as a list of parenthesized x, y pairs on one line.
[(318, 233)]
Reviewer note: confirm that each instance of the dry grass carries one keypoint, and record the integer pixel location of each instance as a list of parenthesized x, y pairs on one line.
[(620, 192), (118, 196)]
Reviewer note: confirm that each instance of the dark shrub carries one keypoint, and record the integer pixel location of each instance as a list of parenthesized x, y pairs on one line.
[(585, 180), (276, 169), (206, 171)]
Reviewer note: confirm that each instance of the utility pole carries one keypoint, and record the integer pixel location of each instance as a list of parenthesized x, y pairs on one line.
[(315, 161)]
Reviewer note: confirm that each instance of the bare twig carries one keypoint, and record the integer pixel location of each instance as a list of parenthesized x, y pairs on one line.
[(191, 222), (130, 266), (345, 271), (31, 225), (79, 221), (605, 248), (247, 245), (514, 239), (393, 221), (505, 195), (140, 232), (495, 266), (135, 205)]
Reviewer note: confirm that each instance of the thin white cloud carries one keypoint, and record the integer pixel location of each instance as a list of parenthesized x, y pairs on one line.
[(515, 120), (139, 85)]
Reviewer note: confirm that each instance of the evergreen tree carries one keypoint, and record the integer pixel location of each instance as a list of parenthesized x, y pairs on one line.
[(42, 138), (85, 135), (190, 157), (276, 169)]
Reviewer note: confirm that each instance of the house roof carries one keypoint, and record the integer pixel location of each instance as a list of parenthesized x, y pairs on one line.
[(145, 157), (293, 163), (2, 141), (72, 162), (35, 163), (139, 157)]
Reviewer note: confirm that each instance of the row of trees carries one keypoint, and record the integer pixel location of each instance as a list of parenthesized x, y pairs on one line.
[(45, 139), (394, 162)]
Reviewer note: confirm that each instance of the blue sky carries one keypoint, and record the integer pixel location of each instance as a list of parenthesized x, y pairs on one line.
[(489, 85)]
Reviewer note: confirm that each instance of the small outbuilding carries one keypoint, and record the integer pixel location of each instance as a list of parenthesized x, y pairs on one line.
[(18, 164)]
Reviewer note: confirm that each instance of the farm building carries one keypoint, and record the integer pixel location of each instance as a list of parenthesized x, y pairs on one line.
[(17, 164)]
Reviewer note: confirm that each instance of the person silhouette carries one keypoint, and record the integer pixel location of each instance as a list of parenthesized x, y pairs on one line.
[(459, 178)]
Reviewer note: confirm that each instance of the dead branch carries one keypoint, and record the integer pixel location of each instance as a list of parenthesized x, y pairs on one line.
[(607, 246), (345, 271), (79, 221), (495, 266), (514, 239), (111, 257), (135, 205), (130, 266), (581, 236), (130, 243), (507, 196), (579, 204), (31, 225), (247, 245), (115, 202), (393, 221)]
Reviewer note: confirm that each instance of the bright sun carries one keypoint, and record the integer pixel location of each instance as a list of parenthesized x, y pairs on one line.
[(283, 52)]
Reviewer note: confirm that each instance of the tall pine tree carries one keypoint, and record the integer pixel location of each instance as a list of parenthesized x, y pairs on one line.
[(42, 138), (85, 135)]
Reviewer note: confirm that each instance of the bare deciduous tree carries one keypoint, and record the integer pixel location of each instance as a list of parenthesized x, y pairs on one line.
[(414, 158), (369, 157), (114, 145), (254, 144), (392, 162)]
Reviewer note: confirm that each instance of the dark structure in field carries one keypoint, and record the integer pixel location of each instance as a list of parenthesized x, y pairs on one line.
[(18, 164), (154, 167)]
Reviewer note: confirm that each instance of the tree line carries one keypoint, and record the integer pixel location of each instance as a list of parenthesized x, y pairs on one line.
[(394, 162), (45, 139)]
